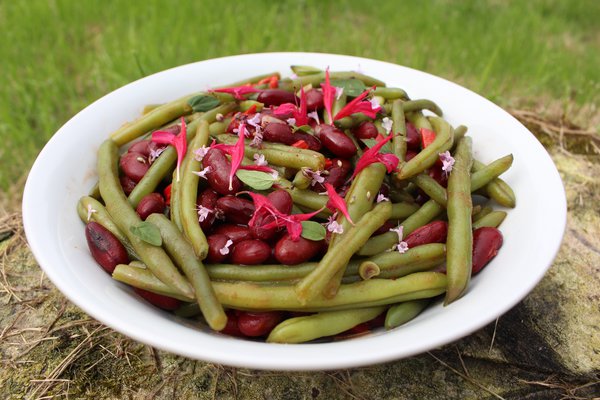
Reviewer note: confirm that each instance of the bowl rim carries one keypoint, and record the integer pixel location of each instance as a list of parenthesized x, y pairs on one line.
[(289, 359)]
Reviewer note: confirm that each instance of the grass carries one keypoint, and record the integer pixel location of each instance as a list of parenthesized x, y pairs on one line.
[(58, 56)]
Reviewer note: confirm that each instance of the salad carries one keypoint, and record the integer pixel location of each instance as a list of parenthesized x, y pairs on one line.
[(320, 205)]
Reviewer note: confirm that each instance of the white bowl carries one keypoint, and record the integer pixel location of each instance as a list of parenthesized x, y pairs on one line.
[(65, 170)]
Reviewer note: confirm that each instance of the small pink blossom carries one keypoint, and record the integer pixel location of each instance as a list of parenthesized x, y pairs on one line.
[(359, 105), (328, 95), (336, 202), (387, 124), (202, 173), (372, 155), (257, 139), (447, 162), (314, 115), (178, 141), (237, 154), (90, 211), (238, 92), (291, 121), (259, 159), (339, 91), (315, 176), (381, 197), (333, 226), (200, 153), (401, 246), (203, 213), (225, 249), (154, 153), (254, 121), (374, 103)]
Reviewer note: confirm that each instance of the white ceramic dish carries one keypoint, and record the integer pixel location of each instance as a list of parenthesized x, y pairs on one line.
[(65, 170)]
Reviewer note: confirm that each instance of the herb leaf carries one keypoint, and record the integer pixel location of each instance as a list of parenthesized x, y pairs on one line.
[(203, 103), (148, 232), (372, 142), (352, 87), (257, 180), (312, 230), (303, 128)]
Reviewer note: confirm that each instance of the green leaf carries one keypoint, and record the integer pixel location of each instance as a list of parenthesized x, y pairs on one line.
[(372, 142), (352, 87), (303, 128), (257, 180), (202, 103), (312, 230), (148, 232)]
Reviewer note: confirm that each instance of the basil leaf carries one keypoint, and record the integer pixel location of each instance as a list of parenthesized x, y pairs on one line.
[(352, 87), (312, 230), (303, 128), (148, 232), (257, 180), (203, 103), (372, 142)]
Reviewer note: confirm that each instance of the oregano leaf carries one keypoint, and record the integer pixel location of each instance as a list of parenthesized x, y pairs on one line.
[(372, 142), (257, 180), (312, 230), (147, 232), (203, 103)]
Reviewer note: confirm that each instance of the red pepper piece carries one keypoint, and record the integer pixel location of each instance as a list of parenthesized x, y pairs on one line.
[(300, 144), (427, 137)]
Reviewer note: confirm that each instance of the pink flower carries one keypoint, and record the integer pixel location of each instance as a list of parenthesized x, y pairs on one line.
[(372, 155), (178, 141), (339, 91), (387, 124), (328, 95), (238, 92), (299, 117), (381, 197), (359, 104), (447, 162), (225, 249), (155, 153), (237, 154), (332, 225), (202, 173), (401, 246), (315, 176), (314, 115), (336, 202), (203, 213), (200, 153), (259, 159), (257, 139), (90, 211)]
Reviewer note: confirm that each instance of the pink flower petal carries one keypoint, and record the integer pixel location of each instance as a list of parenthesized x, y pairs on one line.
[(237, 154), (372, 155), (328, 95), (179, 142), (390, 161), (285, 109), (238, 92), (358, 105), (336, 202), (301, 118), (254, 167)]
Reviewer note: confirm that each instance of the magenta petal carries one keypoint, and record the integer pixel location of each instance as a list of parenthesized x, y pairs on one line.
[(336, 202), (390, 161), (162, 137), (285, 109), (237, 155), (238, 92), (371, 156), (253, 167), (358, 105), (328, 95), (294, 228), (301, 118)]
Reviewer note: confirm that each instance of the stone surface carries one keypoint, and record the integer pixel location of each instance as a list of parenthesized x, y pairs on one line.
[(547, 347)]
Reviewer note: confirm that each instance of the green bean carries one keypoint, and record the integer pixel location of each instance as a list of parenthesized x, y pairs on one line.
[(482, 212), (142, 278), (459, 132), (418, 105), (219, 127), (307, 328), (125, 218), (175, 207), (95, 192), (155, 118), (184, 255), (431, 188), (460, 235), (400, 314), (280, 154), (393, 264), (488, 173), (248, 104), (390, 93), (99, 214), (368, 270), (374, 292), (399, 129), (188, 192), (351, 121), (337, 257), (498, 190), (303, 70), (493, 219), (252, 80), (150, 107), (429, 155), (403, 210), (165, 163), (385, 241), (317, 78), (301, 180), (260, 273), (418, 120), (308, 198)]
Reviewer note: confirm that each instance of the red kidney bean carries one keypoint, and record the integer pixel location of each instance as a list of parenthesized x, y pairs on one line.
[(218, 175), (433, 232), (338, 171), (291, 252), (335, 141), (440, 176), (236, 233), (208, 198), (413, 138), (280, 133), (313, 143), (486, 243), (216, 242), (158, 300), (385, 228), (366, 130), (281, 200), (127, 184), (254, 324), (150, 204), (134, 165), (250, 252), (105, 248), (235, 209), (314, 100), (275, 97), (231, 328)]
